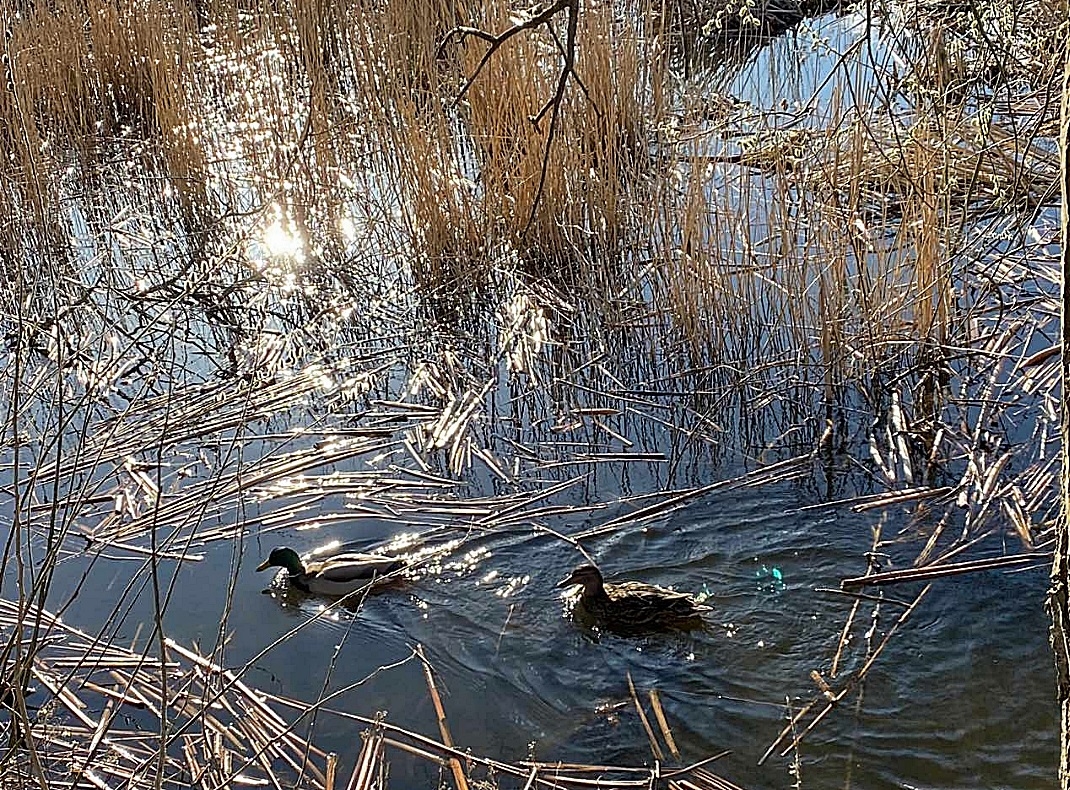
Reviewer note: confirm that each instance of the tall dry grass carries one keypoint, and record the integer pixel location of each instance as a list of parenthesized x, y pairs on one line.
[(480, 181), (828, 244), (777, 272), (82, 73), (579, 197), (851, 243)]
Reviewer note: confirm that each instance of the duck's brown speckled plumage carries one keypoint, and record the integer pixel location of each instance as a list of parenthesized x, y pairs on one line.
[(633, 607)]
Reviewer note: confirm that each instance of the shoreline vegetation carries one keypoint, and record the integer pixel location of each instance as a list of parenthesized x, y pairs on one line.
[(465, 265)]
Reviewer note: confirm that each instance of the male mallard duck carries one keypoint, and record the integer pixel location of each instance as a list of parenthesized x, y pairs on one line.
[(338, 575), (633, 607)]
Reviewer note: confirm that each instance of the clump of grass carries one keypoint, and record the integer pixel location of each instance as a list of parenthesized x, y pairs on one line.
[(481, 181), (568, 183), (82, 73), (416, 154)]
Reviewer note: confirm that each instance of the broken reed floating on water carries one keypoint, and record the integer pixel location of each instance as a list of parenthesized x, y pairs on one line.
[(224, 731), (943, 570)]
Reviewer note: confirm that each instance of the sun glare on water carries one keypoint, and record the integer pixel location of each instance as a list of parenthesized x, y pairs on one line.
[(281, 244), (282, 240)]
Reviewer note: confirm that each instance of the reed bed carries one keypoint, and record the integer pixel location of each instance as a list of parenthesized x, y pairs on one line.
[(95, 714), (92, 714), (296, 262)]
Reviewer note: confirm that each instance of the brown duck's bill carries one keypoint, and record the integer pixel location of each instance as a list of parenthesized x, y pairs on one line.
[(569, 581), (264, 565)]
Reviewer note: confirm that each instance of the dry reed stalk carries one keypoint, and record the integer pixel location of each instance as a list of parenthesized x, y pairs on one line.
[(848, 686), (900, 497), (710, 780), (332, 771), (262, 746), (782, 470), (423, 754), (943, 570), (498, 516), (369, 761), (655, 748), (582, 768), (663, 723), (864, 502), (531, 777), (549, 511), (440, 712), (96, 746), (427, 748), (197, 772)]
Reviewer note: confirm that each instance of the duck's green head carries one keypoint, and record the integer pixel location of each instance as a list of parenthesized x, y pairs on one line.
[(283, 557)]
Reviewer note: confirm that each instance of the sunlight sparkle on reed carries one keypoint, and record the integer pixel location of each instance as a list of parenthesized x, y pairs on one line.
[(527, 330), (347, 228), (280, 243), (283, 241), (356, 386)]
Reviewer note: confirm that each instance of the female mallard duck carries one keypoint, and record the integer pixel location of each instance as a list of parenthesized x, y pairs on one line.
[(633, 607), (338, 575)]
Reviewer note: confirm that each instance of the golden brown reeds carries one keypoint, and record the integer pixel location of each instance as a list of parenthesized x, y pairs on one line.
[(775, 281), (576, 195), (221, 731), (83, 72), (483, 180), (220, 727)]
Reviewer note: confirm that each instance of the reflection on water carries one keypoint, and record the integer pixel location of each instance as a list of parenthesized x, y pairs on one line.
[(299, 377)]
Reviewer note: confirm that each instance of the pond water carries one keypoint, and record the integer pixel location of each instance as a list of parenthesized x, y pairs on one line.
[(962, 697), (325, 400)]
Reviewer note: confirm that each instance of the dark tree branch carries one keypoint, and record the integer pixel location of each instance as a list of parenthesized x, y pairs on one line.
[(553, 104), (461, 32)]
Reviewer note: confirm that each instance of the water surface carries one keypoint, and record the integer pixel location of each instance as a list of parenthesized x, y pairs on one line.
[(948, 704)]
